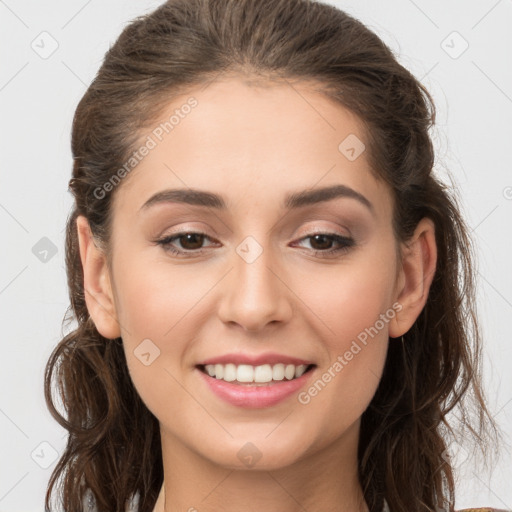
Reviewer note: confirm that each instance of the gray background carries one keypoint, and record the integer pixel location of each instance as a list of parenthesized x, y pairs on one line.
[(40, 85)]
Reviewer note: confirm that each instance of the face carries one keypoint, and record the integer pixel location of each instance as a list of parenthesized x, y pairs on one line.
[(314, 280)]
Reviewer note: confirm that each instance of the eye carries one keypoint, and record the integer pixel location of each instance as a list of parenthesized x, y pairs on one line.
[(190, 241), (324, 241)]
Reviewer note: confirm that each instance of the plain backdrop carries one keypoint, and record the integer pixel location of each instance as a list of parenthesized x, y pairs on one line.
[(49, 53)]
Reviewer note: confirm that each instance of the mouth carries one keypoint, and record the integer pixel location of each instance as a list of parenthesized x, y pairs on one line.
[(248, 375), (255, 387)]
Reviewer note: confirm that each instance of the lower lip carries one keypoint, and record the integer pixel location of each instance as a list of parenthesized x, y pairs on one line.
[(252, 396)]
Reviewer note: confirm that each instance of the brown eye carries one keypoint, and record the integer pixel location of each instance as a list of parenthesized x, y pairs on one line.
[(190, 242), (322, 243)]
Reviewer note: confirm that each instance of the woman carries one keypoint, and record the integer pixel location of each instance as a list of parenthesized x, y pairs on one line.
[(224, 358)]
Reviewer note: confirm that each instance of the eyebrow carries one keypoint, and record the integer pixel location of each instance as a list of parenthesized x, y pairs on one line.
[(292, 201)]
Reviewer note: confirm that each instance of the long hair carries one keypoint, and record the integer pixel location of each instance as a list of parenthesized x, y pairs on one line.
[(113, 448)]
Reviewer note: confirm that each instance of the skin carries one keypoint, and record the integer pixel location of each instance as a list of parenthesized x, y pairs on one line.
[(253, 144)]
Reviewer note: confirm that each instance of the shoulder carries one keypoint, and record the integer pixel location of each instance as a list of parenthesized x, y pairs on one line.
[(484, 509)]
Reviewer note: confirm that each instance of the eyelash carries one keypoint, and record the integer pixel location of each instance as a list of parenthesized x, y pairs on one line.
[(346, 243)]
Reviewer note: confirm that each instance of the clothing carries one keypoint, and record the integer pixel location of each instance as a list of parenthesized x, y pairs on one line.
[(386, 509), (484, 510)]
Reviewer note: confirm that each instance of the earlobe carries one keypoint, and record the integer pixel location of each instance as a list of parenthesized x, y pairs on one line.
[(419, 259), (97, 286)]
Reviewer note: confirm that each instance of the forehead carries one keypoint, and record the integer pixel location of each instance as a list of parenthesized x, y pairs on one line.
[(257, 140)]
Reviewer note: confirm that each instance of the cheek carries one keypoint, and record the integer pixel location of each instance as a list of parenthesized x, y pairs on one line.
[(154, 302), (356, 346), (155, 312), (154, 309), (354, 306), (350, 298)]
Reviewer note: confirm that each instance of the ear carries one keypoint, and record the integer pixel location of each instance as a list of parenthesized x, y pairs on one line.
[(419, 258), (97, 285)]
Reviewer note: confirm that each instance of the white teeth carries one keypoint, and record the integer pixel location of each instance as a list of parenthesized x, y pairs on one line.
[(263, 373), (259, 374), (278, 372), (229, 372), (300, 370), (289, 371), (218, 370), (245, 373)]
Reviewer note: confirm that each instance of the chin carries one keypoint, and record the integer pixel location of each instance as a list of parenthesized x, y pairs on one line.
[(258, 453)]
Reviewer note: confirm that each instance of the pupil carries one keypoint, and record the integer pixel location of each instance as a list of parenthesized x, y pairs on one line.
[(190, 236), (327, 240)]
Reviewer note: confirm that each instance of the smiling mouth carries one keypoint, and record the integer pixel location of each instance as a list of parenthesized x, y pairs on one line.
[(263, 375)]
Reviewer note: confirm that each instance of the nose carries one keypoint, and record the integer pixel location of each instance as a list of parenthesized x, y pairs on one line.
[(255, 293)]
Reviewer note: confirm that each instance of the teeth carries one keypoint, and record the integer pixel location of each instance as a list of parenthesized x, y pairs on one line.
[(278, 372), (259, 374)]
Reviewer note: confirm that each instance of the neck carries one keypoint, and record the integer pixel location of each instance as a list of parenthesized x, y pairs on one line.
[(326, 481)]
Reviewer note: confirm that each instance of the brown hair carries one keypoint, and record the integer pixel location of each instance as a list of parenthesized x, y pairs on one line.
[(113, 448)]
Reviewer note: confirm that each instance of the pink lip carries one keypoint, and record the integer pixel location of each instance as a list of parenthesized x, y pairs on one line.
[(252, 396), (266, 358)]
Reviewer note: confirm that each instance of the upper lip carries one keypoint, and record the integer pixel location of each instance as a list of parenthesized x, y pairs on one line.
[(255, 360)]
